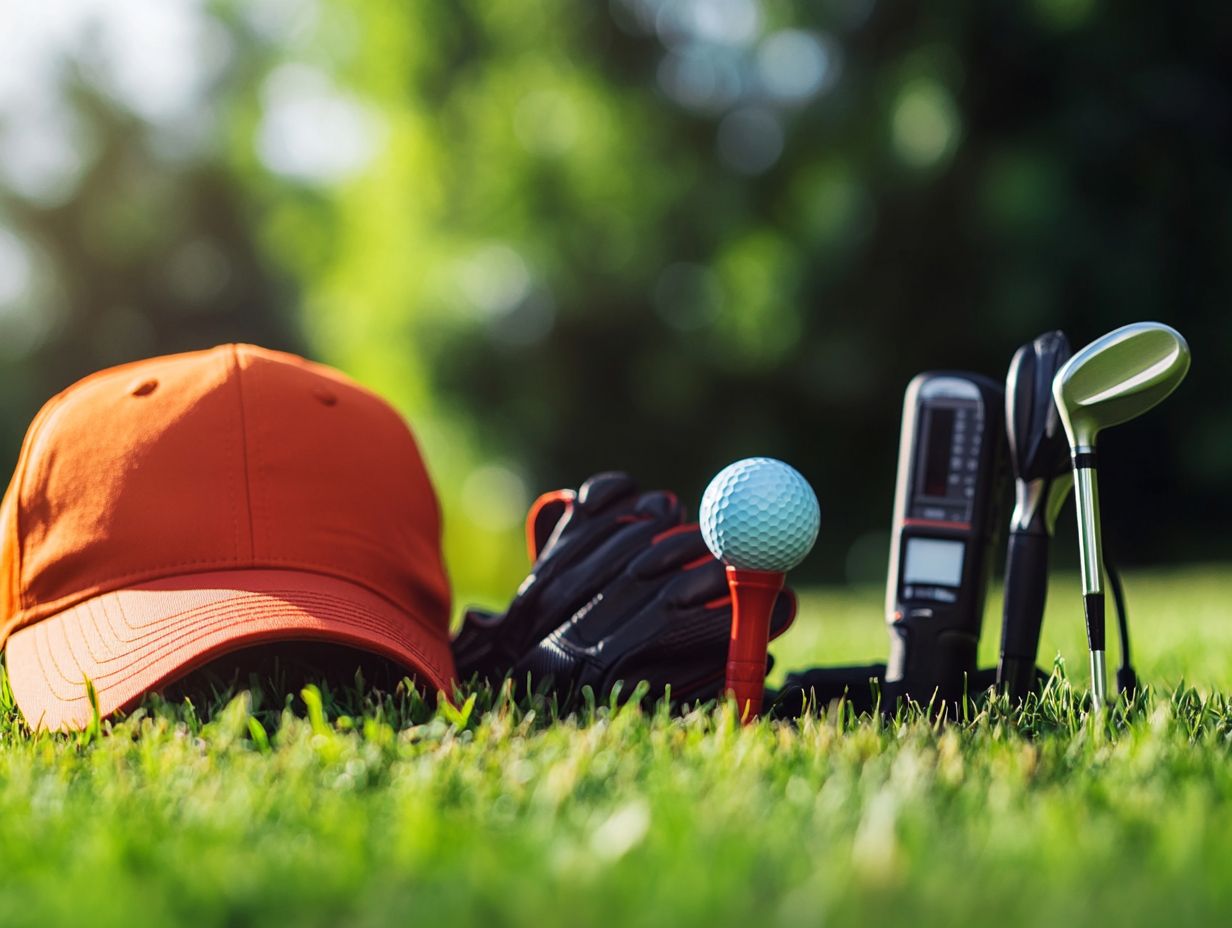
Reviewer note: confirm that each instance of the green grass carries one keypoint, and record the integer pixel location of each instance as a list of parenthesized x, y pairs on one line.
[(350, 811)]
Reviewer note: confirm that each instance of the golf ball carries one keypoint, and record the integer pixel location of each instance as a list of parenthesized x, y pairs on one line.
[(760, 514)]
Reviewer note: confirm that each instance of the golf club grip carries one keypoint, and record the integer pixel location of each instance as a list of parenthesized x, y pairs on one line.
[(1026, 589), (753, 595)]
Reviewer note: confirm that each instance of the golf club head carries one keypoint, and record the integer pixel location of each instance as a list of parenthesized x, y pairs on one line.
[(1038, 447), (1118, 377), (1039, 455), (1114, 379)]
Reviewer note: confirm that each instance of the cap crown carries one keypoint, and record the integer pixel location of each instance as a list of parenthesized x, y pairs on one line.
[(226, 459)]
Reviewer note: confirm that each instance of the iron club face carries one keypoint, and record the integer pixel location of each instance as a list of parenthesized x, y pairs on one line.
[(1112, 380), (1117, 378)]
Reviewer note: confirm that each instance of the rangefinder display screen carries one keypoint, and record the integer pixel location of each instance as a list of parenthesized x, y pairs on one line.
[(932, 560), (940, 437)]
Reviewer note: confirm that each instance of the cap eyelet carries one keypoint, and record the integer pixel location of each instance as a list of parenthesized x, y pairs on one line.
[(324, 397), (145, 388)]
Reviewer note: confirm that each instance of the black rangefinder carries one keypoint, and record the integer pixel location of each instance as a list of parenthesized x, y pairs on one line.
[(951, 478)]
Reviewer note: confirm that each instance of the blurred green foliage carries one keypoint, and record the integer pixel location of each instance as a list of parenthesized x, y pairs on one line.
[(655, 235)]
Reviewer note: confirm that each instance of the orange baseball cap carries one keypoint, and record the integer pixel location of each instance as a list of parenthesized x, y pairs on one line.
[(169, 511)]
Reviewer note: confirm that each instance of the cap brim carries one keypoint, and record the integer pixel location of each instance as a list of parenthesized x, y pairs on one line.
[(134, 641)]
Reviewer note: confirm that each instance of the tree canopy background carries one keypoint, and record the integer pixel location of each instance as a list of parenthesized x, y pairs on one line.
[(654, 235)]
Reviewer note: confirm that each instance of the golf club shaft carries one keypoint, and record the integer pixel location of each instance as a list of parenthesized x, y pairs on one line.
[(1099, 678), (1086, 499), (1026, 585)]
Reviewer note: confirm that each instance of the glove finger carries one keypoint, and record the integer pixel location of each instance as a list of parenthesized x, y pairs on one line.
[(590, 560), (602, 490), (603, 501), (705, 584), (702, 586), (549, 511), (671, 550), (661, 504)]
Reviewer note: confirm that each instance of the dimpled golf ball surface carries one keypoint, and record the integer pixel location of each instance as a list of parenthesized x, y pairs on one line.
[(760, 514)]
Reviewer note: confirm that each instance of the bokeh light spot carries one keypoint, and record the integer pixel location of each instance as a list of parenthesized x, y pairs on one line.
[(157, 57), (16, 269), (794, 65), (546, 123), (725, 22), (44, 150), (495, 496), (286, 23), (925, 124), (311, 131), (833, 207), (29, 314), (701, 77), (718, 22), (495, 279), (1064, 14), (761, 319)]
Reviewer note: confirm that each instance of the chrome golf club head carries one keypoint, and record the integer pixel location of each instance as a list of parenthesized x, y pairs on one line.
[(1117, 378), (1114, 379), (1039, 455)]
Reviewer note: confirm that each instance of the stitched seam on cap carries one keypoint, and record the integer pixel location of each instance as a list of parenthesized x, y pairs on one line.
[(239, 386), (204, 621), (27, 617), (229, 450), (252, 445)]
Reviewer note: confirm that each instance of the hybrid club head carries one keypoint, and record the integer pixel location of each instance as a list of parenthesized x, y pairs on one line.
[(1039, 451), (1114, 379), (1117, 378)]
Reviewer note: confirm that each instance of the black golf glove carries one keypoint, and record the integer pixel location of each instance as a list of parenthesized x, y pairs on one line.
[(622, 590)]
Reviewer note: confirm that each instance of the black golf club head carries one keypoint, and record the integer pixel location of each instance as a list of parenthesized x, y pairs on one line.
[(1038, 446), (1039, 456)]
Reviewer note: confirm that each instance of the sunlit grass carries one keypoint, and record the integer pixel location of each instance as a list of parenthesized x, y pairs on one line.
[(340, 807)]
